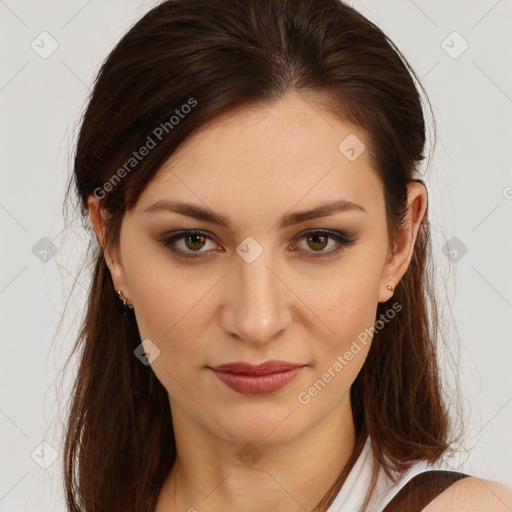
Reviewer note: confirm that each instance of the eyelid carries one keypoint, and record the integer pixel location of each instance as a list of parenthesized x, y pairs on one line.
[(342, 239), (168, 240)]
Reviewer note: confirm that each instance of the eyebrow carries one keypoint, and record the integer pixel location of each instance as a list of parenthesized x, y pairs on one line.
[(289, 219)]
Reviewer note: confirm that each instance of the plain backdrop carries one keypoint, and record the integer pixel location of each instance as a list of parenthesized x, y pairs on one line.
[(460, 49)]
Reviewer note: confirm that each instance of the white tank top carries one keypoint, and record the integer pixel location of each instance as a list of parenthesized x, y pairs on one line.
[(353, 492)]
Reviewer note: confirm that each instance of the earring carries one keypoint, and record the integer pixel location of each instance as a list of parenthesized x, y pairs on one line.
[(390, 287), (123, 298)]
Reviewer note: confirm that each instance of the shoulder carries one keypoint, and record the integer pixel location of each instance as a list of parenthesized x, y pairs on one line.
[(473, 495)]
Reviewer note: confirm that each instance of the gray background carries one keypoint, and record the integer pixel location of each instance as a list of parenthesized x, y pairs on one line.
[(470, 191)]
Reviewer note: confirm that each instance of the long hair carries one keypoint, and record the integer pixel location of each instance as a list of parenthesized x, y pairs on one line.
[(181, 65)]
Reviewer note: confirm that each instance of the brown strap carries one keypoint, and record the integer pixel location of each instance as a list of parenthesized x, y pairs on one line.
[(418, 492)]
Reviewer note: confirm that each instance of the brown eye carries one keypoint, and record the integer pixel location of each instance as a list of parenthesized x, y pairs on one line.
[(317, 242), (189, 243), (194, 242), (314, 244)]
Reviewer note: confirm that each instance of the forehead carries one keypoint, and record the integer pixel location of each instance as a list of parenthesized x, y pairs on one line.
[(270, 156)]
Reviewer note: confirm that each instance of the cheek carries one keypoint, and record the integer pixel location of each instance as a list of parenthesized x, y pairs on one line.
[(349, 309), (346, 304), (351, 317), (346, 308), (160, 293), (165, 306), (171, 306), (171, 313)]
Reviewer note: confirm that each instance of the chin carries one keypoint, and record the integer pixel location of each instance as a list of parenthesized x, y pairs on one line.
[(263, 427)]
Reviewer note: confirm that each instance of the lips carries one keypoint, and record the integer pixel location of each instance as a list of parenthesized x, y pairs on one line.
[(259, 369), (263, 378)]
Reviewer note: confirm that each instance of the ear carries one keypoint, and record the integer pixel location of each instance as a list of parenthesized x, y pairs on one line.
[(98, 217), (398, 261)]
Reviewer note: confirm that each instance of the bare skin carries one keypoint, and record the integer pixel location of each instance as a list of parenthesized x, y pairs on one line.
[(254, 166)]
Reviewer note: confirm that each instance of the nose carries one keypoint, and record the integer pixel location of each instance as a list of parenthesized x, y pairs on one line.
[(255, 308)]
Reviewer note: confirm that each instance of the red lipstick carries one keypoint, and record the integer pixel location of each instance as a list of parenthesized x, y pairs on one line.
[(258, 379)]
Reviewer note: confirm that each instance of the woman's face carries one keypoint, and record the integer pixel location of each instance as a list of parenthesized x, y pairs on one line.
[(255, 283)]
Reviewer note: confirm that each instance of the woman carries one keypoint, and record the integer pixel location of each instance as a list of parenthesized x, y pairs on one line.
[(260, 331)]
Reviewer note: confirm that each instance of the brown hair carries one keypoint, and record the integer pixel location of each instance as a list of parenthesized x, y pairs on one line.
[(216, 55)]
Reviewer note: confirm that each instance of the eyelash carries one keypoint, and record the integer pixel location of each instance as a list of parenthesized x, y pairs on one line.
[(341, 239)]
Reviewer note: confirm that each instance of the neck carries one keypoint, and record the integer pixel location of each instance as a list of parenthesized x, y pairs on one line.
[(214, 475)]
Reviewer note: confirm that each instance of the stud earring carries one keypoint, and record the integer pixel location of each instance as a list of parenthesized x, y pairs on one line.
[(390, 287), (123, 298)]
